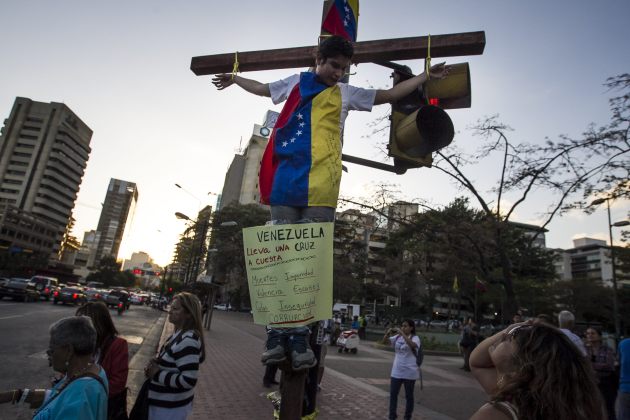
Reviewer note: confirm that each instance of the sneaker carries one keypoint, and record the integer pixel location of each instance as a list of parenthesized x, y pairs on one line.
[(275, 348), (302, 357)]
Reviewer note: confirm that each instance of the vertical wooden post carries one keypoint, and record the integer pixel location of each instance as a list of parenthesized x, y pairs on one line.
[(292, 391)]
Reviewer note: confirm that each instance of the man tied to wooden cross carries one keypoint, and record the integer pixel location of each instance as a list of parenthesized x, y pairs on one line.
[(301, 167)]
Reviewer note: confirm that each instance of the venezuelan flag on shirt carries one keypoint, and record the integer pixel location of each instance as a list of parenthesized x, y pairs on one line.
[(342, 19), (301, 166)]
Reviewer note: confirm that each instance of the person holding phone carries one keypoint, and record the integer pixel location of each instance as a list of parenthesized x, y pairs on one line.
[(404, 369)]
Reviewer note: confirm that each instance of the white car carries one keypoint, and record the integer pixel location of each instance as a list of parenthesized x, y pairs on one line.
[(136, 299), (223, 307)]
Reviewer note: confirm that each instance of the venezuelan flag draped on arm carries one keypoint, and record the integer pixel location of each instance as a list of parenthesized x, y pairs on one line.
[(342, 19)]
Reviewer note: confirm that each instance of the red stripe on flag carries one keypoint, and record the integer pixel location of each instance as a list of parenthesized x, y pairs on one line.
[(268, 164)]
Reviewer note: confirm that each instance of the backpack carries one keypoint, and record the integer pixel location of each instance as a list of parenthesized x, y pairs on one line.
[(419, 356)]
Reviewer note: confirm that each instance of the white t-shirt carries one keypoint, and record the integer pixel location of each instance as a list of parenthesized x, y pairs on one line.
[(404, 366), (352, 98)]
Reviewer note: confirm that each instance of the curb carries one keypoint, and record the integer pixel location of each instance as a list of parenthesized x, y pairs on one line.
[(139, 360)]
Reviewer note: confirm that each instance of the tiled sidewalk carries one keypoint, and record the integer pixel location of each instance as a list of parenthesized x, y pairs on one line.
[(230, 382)]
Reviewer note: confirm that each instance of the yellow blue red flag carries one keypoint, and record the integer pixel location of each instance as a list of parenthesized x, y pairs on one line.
[(301, 166), (342, 19)]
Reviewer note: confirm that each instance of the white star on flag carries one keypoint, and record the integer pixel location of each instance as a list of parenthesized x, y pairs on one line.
[(345, 23), (299, 132), (301, 124), (299, 116), (284, 144), (292, 139)]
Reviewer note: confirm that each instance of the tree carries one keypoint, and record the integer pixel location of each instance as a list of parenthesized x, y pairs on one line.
[(428, 251), (108, 272), (226, 243), (349, 263), (69, 242), (594, 163)]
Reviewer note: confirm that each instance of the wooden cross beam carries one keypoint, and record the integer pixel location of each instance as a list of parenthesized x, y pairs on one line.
[(449, 45)]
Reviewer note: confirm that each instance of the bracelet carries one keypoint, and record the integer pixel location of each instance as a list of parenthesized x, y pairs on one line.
[(24, 395)]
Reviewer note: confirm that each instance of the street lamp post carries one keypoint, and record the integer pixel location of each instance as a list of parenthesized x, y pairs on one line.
[(210, 266), (612, 259)]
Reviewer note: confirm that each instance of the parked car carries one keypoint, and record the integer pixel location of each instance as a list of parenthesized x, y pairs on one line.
[(4, 281), (20, 289), (69, 295), (45, 285), (223, 307)]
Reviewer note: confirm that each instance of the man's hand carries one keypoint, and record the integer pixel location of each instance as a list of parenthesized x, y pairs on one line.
[(222, 81), (439, 71)]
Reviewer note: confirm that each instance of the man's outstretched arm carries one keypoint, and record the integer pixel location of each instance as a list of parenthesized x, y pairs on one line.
[(403, 89), (221, 81)]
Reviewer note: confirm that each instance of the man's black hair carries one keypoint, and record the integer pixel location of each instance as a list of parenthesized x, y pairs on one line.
[(333, 46)]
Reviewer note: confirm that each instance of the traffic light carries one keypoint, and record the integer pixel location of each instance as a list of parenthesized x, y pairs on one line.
[(419, 124)]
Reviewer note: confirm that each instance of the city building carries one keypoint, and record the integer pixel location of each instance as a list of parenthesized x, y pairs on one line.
[(117, 213), (21, 232), (241, 179), (590, 259), (144, 269), (44, 149), (85, 259)]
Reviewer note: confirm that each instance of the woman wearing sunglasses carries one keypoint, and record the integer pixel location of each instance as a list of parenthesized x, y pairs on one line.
[(533, 371)]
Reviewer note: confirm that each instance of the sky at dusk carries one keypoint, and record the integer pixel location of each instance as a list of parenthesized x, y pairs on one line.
[(123, 68)]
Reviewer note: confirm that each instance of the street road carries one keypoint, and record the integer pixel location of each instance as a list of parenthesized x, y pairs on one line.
[(449, 392), (24, 332)]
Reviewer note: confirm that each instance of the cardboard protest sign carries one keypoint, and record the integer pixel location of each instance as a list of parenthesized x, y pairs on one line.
[(289, 271)]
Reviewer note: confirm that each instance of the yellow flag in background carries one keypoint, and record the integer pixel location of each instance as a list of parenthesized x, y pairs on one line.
[(455, 285)]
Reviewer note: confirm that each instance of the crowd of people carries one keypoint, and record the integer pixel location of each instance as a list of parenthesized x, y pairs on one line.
[(536, 370), (530, 370), (92, 364)]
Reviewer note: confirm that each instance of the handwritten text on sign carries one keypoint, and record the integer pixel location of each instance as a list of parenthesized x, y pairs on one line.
[(289, 270)]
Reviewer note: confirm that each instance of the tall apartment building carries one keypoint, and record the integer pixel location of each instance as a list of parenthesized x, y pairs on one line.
[(590, 259), (44, 149), (118, 210), (241, 179), (85, 258)]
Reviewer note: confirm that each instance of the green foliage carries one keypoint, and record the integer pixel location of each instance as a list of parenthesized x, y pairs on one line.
[(108, 272), (227, 261), (426, 254), (349, 263)]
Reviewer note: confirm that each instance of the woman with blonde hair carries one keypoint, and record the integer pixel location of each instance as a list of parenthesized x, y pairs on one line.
[(173, 373), (534, 372)]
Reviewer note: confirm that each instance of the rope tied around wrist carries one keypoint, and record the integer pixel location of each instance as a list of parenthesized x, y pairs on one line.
[(235, 68), (427, 61)]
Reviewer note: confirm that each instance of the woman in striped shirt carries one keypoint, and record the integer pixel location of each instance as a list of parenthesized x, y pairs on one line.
[(174, 372)]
